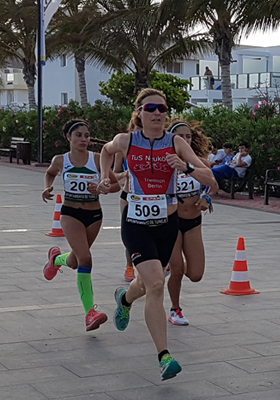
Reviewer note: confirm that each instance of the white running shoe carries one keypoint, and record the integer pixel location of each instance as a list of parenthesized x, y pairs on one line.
[(177, 318)]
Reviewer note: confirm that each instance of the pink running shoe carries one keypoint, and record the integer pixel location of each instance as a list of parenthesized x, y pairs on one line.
[(94, 319), (129, 274), (50, 270)]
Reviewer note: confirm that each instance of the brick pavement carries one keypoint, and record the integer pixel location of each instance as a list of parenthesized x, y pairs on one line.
[(230, 351)]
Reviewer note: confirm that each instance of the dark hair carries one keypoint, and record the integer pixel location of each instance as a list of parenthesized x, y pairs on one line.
[(214, 145), (69, 126), (227, 145), (200, 143), (246, 144), (135, 120)]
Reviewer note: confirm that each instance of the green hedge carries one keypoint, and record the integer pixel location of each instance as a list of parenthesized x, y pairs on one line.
[(105, 120), (260, 127)]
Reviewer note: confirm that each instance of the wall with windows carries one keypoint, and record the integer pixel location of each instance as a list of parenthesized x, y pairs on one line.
[(8, 97), (58, 79)]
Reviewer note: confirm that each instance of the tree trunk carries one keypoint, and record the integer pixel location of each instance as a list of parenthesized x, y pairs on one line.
[(223, 46), (142, 79), (31, 97), (80, 67), (226, 86), (29, 76)]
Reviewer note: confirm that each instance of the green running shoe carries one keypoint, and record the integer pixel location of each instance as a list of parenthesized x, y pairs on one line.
[(169, 367), (121, 314)]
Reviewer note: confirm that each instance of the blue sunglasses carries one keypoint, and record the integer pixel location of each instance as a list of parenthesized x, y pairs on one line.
[(151, 107)]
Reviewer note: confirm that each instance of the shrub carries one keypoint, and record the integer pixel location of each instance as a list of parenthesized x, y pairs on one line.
[(105, 120), (259, 127), (121, 89)]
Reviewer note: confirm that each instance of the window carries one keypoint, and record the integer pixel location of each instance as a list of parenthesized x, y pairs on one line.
[(10, 97), (64, 98), (254, 64), (276, 64), (63, 60), (174, 67), (10, 79)]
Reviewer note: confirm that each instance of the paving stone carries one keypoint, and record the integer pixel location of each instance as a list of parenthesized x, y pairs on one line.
[(230, 351)]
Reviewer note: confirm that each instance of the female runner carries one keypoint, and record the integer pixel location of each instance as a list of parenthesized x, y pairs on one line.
[(149, 222), (189, 244), (81, 213)]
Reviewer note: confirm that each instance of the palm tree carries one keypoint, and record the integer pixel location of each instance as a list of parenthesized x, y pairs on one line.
[(139, 41), (72, 32), (65, 36), (18, 25), (224, 22)]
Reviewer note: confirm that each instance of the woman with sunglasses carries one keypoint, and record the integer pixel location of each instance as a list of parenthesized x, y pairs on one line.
[(81, 213), (188, 253), (149, 222)]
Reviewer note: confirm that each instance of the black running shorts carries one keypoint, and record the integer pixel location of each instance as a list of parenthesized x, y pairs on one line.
[(145, 242)]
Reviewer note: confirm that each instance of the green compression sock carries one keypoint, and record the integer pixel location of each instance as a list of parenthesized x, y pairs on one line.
[(85, 287), (61, 259)]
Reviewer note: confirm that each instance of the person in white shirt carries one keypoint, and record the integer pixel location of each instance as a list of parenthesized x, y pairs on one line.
[(216, 156), (237, 166)]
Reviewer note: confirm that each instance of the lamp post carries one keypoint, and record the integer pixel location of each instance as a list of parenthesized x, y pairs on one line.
[(39, 80)]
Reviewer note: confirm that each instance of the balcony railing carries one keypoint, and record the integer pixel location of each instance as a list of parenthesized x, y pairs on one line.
[(240, 81)]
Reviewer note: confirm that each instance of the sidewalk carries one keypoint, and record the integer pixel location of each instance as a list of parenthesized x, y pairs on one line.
[(230, 350)]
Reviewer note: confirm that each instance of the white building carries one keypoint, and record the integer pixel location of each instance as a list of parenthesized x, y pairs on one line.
[(251, 67), (13, 89)]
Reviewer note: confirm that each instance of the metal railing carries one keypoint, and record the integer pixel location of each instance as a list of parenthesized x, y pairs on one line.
[(239, 81)]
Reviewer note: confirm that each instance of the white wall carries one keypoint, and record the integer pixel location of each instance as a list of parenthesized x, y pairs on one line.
[(21, 96), (57, 80), (93, 77)]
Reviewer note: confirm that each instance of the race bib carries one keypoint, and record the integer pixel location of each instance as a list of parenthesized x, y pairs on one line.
[(76, 186), (147, 209), (187, 186)]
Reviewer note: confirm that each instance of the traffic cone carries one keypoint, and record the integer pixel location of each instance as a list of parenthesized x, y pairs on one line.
[(56, 228), (239, 284)]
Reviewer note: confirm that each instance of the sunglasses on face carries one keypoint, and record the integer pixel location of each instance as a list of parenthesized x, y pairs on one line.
[(150, 107)]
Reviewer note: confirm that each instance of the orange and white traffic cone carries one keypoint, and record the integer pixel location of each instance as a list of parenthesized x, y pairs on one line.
[(240, 284), (56, 228)]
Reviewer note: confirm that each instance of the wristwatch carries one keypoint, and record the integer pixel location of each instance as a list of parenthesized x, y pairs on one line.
[(190, 168)]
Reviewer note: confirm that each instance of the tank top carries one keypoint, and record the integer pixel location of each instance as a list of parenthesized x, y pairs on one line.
[(75, 179), (149, 172), (187, 186)]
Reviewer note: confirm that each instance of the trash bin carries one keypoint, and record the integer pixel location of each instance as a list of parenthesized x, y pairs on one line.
[(24, 152)]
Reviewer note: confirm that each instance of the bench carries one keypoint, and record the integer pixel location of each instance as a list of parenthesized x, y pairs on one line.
[(237, 183), (272, 179), (19, 149)]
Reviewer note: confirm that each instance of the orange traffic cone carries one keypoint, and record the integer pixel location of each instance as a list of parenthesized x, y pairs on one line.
[(56, 228), (239, 284)]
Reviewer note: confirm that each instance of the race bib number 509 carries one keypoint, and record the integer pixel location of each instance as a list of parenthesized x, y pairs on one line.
[(147, 209)]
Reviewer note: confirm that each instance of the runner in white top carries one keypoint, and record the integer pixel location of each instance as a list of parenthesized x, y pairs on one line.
[(188, 253), (81, 214)]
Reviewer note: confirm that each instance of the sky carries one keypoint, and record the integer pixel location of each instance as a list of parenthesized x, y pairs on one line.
[(263, 39)]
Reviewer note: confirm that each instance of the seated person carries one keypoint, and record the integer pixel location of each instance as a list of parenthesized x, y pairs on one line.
[(228, 153), (216, 156), (237, 166)]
